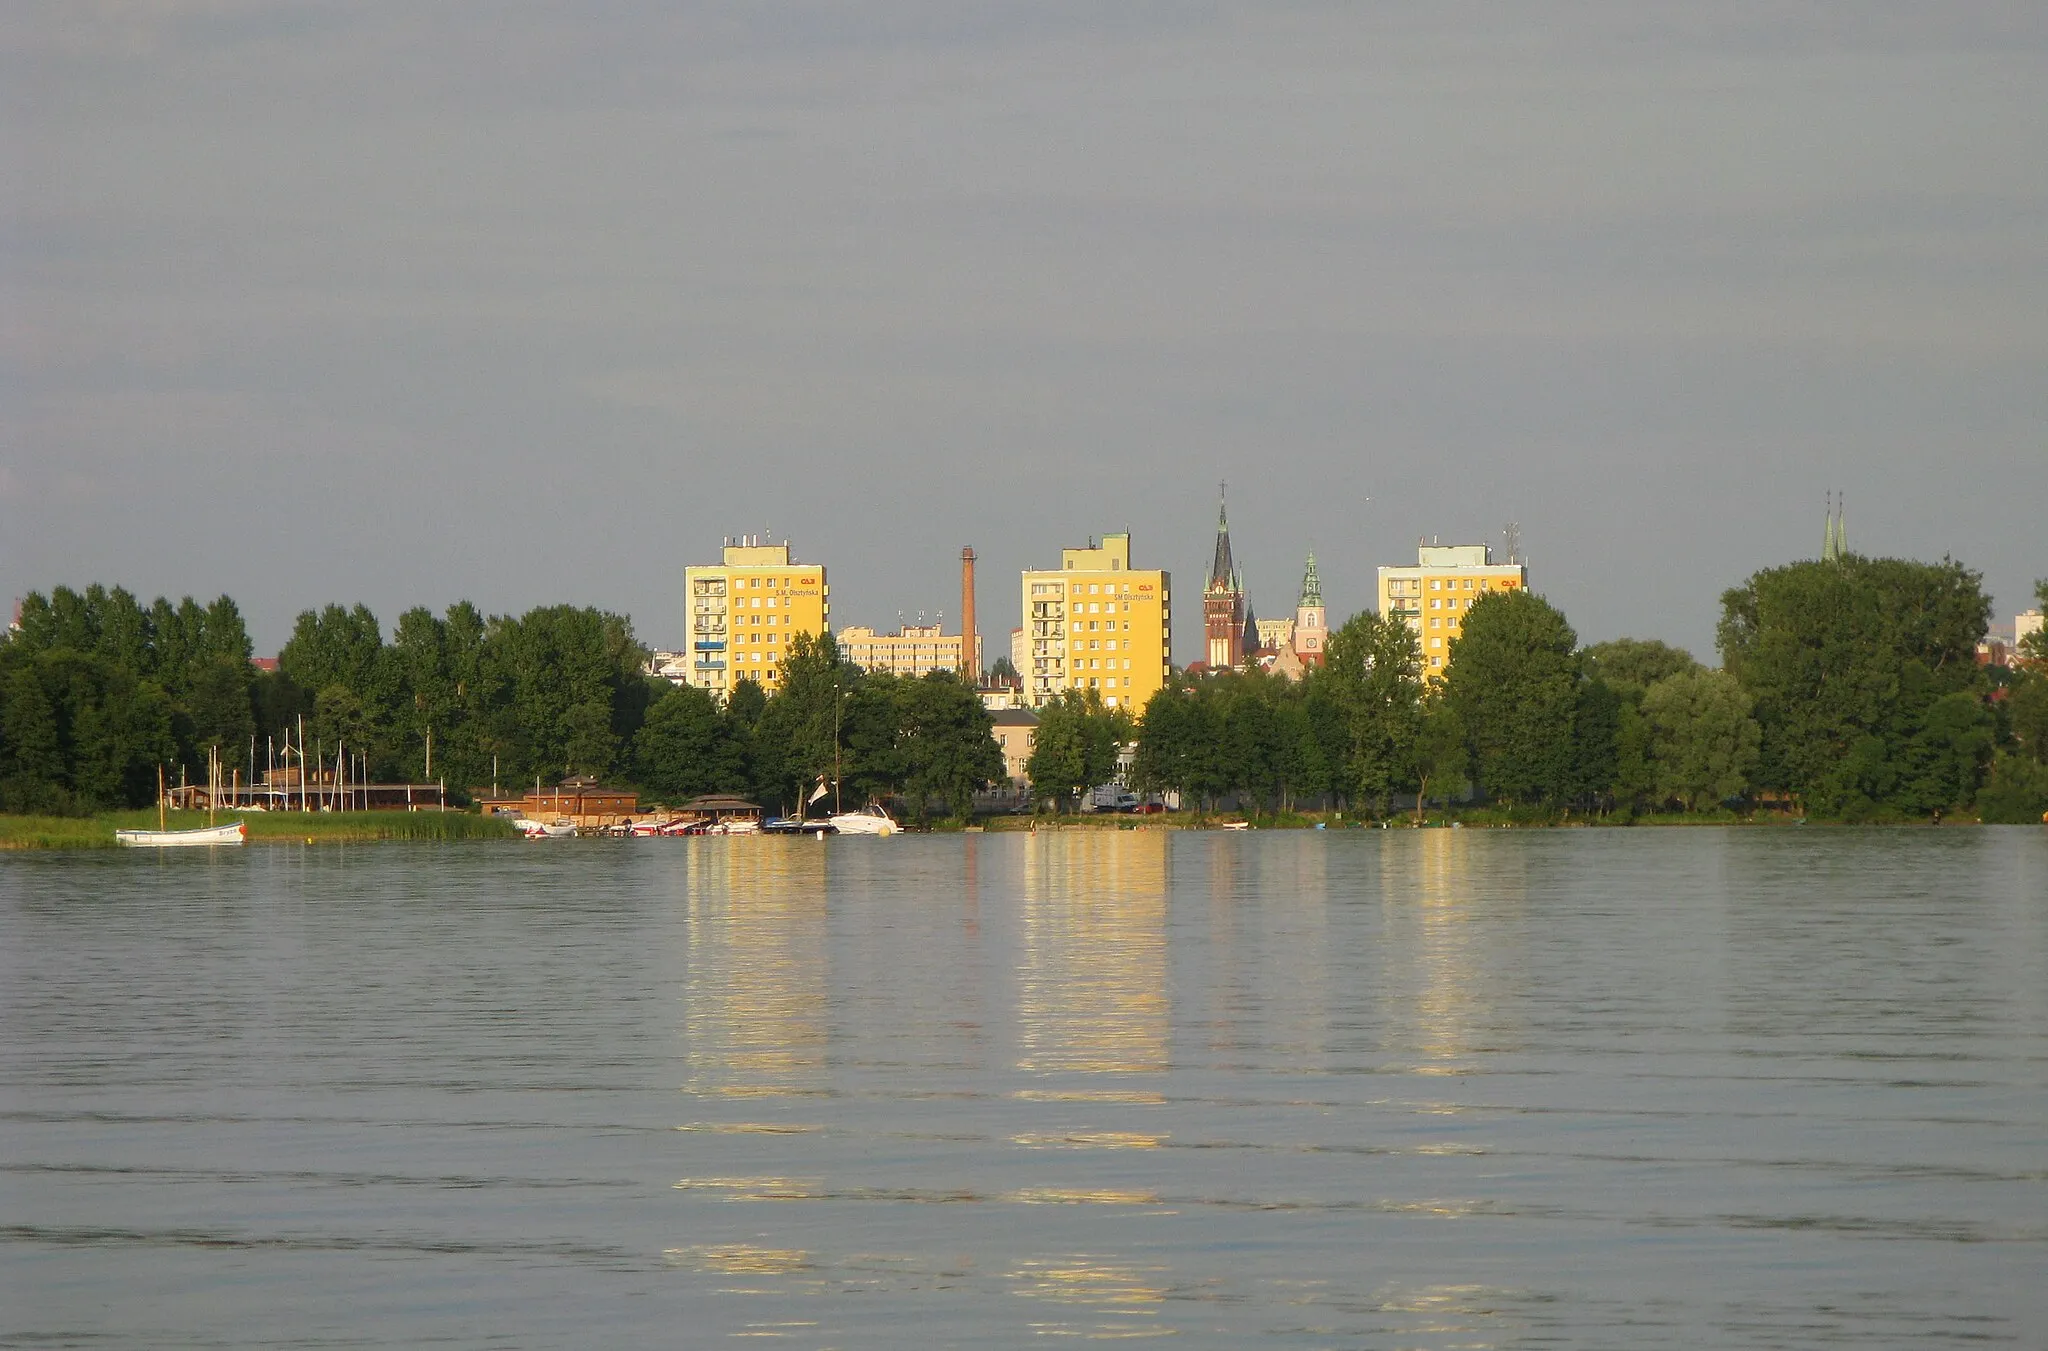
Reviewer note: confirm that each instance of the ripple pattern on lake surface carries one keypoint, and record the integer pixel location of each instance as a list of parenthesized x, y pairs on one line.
[(1436, 1089)]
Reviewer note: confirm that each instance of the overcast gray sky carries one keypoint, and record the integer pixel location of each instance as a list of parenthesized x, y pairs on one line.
[(530, 303)]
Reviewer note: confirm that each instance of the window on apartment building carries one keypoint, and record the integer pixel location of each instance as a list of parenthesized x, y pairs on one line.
[(1468, 583), (1436, 661), (1127, 663), (1435, 583), (1436, 642)]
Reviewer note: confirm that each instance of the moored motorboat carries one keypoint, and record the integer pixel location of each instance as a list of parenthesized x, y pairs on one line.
[(545, 830), (234, 833), (792, 825), (869, 820)]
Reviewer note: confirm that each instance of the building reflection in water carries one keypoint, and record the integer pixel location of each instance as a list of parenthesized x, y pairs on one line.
[(754, 993), (1265, 982), (1091, 976), (1446, 1007)]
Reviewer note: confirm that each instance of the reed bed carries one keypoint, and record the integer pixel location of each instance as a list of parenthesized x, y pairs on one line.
[(97, 832)]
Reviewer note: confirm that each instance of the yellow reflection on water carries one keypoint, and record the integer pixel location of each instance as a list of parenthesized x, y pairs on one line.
[(740, 1258), (754, 995), (1089, 1140), (1079, 1196), (1089, 1095), (1445, 1001), (1268, 954), (1092, 974), (755, 1188), (1124, 1297)]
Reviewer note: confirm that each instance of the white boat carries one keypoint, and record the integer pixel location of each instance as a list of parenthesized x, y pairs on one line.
[(545, 830), (869, 820), (172, 839)]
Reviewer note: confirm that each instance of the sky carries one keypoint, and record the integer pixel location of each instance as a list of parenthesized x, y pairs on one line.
[(406, 303)]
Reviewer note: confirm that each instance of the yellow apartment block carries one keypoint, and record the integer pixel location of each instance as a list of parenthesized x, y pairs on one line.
[(1434, 595), (916, 650), (1095, 623), (745, 612)]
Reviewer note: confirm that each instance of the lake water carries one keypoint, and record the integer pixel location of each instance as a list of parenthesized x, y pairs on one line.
[(1438, 1089)]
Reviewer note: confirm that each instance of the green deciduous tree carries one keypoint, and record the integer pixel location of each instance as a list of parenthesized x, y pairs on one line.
[(217, 701), (78, 733), (1513, 681), (1442, 760), (1847, 662), (1075, 746), (1176, 743), (1372, 673), (1637, 662), (947, 743), (798, 736), (2026, 705), (1596, 744), (1703, 738), (687, 747)]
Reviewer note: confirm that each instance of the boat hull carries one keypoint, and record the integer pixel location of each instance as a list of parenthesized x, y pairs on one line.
[(181, 839)]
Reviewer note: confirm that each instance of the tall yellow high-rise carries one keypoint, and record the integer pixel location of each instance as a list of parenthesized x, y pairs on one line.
[(1095, 623), (745, 612)]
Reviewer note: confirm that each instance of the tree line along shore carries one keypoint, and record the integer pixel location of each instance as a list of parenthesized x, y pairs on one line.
[(1848, 690)]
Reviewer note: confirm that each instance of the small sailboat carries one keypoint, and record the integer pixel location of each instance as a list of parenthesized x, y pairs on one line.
[(164, 838), (170, 839)]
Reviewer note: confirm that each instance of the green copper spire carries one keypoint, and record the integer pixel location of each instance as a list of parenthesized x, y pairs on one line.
[(1311, 585), (1836, 547)]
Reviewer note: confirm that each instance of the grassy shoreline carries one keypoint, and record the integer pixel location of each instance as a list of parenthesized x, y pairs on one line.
[(97, 832)]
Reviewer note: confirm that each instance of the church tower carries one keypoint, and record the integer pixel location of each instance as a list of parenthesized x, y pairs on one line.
[(1837, 546), (1223, 616), (1310, 618)]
